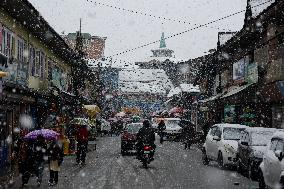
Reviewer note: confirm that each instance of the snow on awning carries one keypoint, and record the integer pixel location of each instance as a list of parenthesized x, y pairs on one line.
[(174, 91), (189, 88), (168, 101), (211, 98), (234, 90)]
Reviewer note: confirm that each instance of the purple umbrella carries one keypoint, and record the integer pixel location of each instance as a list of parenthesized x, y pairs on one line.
[(46, 133)]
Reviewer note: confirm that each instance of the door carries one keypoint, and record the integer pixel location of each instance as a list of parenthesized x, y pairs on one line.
[(216, 143), (242, 149), (246, 150), (272, 163), (210, 141)]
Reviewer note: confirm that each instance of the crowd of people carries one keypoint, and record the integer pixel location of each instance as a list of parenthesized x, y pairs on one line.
[(33, 155)]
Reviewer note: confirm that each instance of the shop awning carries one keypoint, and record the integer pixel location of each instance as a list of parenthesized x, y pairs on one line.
[(210, 98), (234, 90), (3, 74), (168, 101)]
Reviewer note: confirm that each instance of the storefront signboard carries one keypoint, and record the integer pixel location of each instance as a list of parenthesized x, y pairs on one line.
[(229, 113), (252, 73), (60, 79), (239, 69), (17, 73)]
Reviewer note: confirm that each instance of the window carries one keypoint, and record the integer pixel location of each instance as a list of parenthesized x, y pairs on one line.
[(245, 137), (21, 49), (49, 70), (32, 61), (42, 65), (213, 131), (8, 43), (218, 132), (279, 145), (273, 145)]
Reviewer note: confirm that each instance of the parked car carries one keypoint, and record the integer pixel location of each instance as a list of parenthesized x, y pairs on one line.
[(105, 127), (251, 147), (129, 137), (272, 165), (173, 129), (221, 144)]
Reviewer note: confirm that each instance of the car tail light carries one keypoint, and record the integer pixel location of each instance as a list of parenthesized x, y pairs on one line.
[(147, 148)]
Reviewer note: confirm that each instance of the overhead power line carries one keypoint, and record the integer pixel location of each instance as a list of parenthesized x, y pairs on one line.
[(186, 31), (146, 14), (138, 12)]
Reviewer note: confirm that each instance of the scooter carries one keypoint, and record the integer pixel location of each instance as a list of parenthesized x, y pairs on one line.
[(147, 155)]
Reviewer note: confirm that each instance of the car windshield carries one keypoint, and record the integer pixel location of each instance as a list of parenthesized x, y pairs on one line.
[(261, 138), (232, 133), (133, 128), (172, 123)]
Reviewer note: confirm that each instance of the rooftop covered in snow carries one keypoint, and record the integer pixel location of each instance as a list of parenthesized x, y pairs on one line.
[(153, 81)]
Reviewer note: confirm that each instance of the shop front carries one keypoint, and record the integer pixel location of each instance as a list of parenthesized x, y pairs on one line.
[(272, 98)]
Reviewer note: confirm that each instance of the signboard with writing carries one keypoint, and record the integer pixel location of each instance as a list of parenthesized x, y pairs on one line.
[(239, 70), (252, 73), (59, 79), (229, 114), (17, 73)]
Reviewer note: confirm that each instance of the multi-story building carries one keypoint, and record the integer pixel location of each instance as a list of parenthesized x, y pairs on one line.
[(143, 89), (39, 78), (245, 84), (93, 46)]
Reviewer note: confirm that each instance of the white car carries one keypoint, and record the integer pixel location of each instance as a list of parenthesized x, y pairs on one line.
[(272, 165), (173, 128), (221, 144), (105, 127)]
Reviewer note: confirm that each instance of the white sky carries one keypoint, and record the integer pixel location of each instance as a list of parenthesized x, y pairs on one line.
[(126, 30)]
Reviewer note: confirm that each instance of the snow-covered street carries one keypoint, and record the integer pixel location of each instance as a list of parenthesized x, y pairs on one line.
[(173, 168)]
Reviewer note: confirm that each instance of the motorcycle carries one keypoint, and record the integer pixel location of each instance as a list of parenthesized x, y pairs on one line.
[(147, 155)]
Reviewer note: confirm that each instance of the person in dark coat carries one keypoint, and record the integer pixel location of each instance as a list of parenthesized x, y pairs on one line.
[(205, 129), (26, 161), (188, 132), (40, 155), (161, 129), (55, 159), (82, 144), (146, 135)]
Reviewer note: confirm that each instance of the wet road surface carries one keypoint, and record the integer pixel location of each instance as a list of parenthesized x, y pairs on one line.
[(173, 168)]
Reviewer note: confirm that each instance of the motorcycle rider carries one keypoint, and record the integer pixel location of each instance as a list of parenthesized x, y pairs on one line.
[(146, 135)]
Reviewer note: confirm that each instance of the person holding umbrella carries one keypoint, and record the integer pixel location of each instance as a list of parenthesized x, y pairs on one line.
[(40, 152), (26, 161), (35, 153)]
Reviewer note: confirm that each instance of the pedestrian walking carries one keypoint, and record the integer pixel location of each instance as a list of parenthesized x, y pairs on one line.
[(26, 161), (205, 129), (82, 144), (188, 132), (40, 154), (161, 129), (55, 159)]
